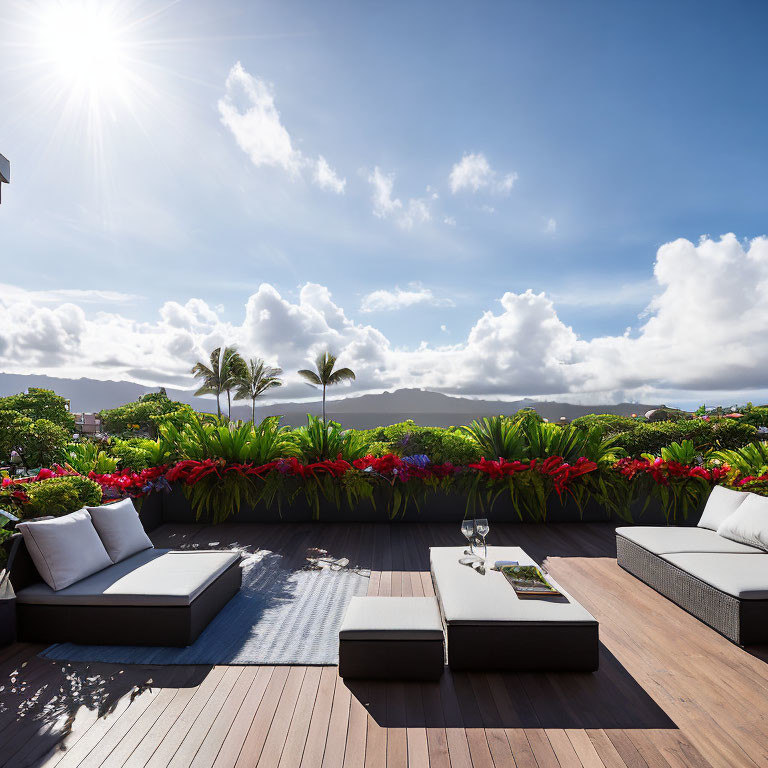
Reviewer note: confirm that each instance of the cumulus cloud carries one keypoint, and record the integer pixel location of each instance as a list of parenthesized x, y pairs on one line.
[(386, 205), (248, 110), (325, 177), (473, 172), (704, 331), (386, 301)]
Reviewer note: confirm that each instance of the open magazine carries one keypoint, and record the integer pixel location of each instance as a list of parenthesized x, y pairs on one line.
[(528, 581)]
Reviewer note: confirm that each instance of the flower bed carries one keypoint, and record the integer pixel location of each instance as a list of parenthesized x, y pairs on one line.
[(391, 487)]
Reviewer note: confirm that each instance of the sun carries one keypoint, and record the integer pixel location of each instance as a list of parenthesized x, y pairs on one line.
[(82, 42), (85, 47)]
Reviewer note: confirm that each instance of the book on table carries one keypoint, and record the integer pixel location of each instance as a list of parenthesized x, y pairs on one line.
[(528, 581)]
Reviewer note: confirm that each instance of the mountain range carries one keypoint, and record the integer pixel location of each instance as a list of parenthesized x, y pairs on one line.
[(361, 412)]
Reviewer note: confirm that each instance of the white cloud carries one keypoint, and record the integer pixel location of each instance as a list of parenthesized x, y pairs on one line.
[(387, 301), (473, 172), (326, 178), (449, 221), (704, 331), (551, 225), (386, 206), (248, 110)]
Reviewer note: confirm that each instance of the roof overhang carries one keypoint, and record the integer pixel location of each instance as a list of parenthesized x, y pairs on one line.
[(5, 170)]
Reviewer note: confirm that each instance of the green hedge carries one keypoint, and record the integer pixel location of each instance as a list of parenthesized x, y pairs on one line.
[(409, 439), (718, 434)]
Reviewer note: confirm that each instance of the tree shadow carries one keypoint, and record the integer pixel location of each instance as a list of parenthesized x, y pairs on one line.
[(609, 698), (40, 699)]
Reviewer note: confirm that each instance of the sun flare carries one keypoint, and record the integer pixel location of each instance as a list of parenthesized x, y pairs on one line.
[(85, 48)]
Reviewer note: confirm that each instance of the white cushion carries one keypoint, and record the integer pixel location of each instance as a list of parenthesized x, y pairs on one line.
[(722, 503), (120, 529), (65, 549), (392, 618), (151, 577), (663, 539), (749, 523)]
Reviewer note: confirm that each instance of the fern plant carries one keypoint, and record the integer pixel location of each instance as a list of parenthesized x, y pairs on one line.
[(499, 437), (88, 457), (320, 440)]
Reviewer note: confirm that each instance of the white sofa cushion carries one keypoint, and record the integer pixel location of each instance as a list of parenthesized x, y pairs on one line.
[(663, 539), (749, 523), (120, 529), (65, 549), (737, 575), (151, 577), (722, 503)]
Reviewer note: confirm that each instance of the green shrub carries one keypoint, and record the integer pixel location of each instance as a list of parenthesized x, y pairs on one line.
[(611, 423), (143, 415), (442, 445), (60, 496), (719, 434), (134, 453)]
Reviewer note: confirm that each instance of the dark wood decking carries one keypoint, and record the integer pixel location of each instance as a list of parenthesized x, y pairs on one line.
[(670, 691)]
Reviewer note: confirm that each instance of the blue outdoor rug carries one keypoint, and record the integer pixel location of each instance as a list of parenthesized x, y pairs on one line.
[(280, 616)]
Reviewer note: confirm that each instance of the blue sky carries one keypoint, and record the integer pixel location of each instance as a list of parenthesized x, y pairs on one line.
[(553, 146)]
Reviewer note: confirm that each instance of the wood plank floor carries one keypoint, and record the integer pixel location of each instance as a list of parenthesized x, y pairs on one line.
[(670, 691)]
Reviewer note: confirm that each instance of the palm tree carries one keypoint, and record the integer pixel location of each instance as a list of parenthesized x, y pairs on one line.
[(325, 375), (220, 376), (257, 378)]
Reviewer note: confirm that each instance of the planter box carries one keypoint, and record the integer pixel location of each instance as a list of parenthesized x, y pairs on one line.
[(437, 508), (7, 615)]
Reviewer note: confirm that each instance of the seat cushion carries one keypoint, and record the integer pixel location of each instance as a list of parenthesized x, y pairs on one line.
[(152, 577), (119, 529), (742, 576), (64, 549), (392, 618), (468, 597), (749, 523), (663, 539), (722, 503)]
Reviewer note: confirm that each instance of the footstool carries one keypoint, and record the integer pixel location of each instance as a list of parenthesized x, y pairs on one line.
[(392, 638)]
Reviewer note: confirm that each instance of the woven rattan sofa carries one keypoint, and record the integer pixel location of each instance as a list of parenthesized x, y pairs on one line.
[(134, 595), (717, 571)]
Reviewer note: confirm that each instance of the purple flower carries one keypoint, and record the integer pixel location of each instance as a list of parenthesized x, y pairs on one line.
[(417, 460)]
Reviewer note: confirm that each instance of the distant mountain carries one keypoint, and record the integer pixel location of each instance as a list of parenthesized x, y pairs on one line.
[(363, 412)]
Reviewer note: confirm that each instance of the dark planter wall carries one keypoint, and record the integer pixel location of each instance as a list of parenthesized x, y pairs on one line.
[(437, 508)]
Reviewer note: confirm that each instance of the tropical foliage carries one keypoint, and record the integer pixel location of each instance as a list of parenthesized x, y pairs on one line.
[(224, 370), (256, 378), (326, 374)]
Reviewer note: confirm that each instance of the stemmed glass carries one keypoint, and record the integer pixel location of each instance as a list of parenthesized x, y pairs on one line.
[(468, 529), (481, 529)]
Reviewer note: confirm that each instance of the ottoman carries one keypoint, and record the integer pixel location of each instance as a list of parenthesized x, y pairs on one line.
[(392, 638)]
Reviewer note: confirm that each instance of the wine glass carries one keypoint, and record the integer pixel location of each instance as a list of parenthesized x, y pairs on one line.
[(481, 529), (468, 529)]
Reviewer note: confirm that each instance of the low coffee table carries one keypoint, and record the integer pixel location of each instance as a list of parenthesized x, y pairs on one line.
[(489, 627)]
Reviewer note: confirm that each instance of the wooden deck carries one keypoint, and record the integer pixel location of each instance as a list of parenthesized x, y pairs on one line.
[(670, 691)]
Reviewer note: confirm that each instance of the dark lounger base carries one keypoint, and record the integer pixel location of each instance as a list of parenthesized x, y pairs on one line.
[(128, 625), (524, 647), (742, 621), (391, 659)]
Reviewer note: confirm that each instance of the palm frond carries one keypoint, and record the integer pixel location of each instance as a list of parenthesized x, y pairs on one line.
[(311, 377), (342, 374)]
